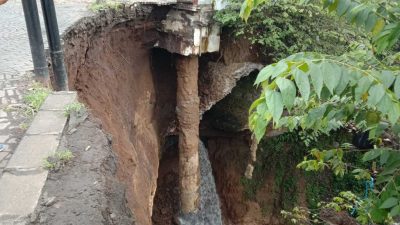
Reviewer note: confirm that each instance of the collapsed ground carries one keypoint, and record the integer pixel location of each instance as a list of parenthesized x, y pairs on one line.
[(131, 87)]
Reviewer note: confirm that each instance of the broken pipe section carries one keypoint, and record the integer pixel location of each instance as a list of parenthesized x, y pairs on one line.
[(188, 116)]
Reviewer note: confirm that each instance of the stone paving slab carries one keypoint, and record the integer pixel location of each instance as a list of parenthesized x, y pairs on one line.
[(59, 100), (32, 150), (23, 178), (19, 194), (48, 122)]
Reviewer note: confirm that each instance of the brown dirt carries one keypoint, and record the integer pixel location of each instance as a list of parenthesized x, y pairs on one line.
[(119, 82), (85, 190), (238, 50), (229, 159), (166, 201)]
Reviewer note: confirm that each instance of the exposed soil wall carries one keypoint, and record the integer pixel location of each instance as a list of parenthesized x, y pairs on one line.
[(132, 88)]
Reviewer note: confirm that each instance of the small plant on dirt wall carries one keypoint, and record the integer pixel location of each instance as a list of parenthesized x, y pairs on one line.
[(57, 160), (360, 90)]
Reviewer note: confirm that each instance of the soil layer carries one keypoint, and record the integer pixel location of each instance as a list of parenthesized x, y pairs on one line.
[(131, 87)]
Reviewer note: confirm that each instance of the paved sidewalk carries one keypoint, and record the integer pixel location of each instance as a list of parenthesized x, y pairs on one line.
[(24, 177), (15, 60)]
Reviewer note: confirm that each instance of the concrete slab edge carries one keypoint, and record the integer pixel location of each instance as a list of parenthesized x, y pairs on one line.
[(24, 177)]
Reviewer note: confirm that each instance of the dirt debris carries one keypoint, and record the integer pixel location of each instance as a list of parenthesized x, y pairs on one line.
[(85, 190)]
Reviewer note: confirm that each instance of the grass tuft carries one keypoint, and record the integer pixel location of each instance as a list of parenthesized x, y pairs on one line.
[(57, 160), (74, 107), (35, 98)]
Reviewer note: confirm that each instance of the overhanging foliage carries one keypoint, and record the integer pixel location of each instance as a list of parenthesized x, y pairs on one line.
[(360, 89)]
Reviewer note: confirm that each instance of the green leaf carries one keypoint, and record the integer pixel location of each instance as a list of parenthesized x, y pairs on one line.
[(383, 179), (379, 25), (393, 162), (331, 74), (371, 21), (288, 91), (391, 168), (385, 105), (274, 103), (397, 87), (372, 154), (316, 78), (271, 71), (344, 80), (314, 115), (303, 83), (343, 6), (352, 15), (395, 211), (354, 77), (362, 16), (376, 93), (387, 78), (260, 128), (279, 68), (262, 109), (396, 129), (362, 87), (264, 74), (394, 114), (384, 157), (256, 103), (246, 9), (378, 215), (333, 5), (389, 203)]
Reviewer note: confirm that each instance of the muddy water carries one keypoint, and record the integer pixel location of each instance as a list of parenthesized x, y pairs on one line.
[(210, 209)]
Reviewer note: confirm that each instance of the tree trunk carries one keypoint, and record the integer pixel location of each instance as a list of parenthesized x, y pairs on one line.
[(189, 118)]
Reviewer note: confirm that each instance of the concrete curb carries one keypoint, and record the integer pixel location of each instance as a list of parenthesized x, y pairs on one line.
[(23, 178)]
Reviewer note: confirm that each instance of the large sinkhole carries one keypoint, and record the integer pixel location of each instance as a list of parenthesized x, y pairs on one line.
[(131, 87)]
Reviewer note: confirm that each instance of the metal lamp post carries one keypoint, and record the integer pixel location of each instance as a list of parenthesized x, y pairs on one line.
[(36, 40), (53, 37)]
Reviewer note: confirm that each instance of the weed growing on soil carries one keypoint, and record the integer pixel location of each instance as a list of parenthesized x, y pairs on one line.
[(65, 155), (74, 107), (103, 5), (24, 126), (47, 164), (35, 98), (56, 161)]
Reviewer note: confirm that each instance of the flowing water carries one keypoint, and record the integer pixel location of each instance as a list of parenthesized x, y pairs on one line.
[(209, 211)]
